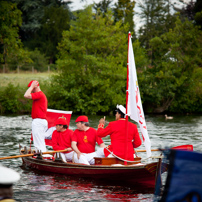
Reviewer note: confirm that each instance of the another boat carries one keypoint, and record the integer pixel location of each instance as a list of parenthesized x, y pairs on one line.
[(184, 177), (111, 169)]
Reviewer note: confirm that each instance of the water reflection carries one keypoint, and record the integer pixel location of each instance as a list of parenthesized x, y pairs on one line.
[(36, 186), (73, 188)]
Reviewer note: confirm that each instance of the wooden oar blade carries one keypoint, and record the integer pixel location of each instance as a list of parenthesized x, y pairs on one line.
[(187, 147)]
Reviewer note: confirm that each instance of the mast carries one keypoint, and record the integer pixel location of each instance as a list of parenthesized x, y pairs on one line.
[(126, 151)]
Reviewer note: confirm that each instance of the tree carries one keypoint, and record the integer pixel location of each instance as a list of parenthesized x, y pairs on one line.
[(191, 10), (32, 14), (10, 44), (198, 13), (102, 6), (43, 23), (91, 64), (177, 54), (187, 11), (54, 21), (124, 12), (157, 18)]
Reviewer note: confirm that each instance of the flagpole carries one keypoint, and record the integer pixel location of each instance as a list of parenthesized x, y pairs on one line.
[(126, 151)]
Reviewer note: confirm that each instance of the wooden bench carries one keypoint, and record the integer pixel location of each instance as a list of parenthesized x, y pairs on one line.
[(113, 160)]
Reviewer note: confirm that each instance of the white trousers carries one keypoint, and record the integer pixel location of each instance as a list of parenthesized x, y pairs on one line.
[(39, 126), (67, 156), (100, 152), (87, 159), (84, 158)]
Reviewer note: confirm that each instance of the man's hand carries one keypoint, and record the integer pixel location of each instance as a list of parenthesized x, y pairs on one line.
[(102, 121), (79, 154), (34, 84), (69, 149)]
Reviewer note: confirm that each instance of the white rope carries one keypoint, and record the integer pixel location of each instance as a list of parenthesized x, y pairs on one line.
[(142, 160), (124, 159)]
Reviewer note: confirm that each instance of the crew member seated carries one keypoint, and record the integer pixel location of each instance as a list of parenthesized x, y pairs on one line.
[(117, 131)]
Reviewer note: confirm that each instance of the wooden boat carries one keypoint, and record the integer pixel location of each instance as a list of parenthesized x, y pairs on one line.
[(111, 169)]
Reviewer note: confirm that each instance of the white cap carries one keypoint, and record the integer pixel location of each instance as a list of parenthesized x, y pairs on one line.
[(8, 176), (121, 108)]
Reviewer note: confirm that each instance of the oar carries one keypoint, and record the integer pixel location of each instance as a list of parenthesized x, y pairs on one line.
[(26, 155), (180, 147)]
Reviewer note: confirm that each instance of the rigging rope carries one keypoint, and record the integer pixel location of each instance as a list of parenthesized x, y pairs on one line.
[(131, 161)]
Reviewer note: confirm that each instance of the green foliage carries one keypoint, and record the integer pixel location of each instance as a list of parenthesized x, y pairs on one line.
[(11, 100), (169, 80), (43, 23), (191, 101), (10, 19), (29, 59), (124, 12), (19, 59), (54, 21), (40, 62), (92, 54), (102, 6), (198, 19), (91, 61), (140, 54), (157, 18)]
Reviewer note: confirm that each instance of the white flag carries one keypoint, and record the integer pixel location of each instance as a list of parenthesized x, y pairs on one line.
[(135, 110)]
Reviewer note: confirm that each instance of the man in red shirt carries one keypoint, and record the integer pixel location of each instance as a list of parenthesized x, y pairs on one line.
[(39, 109), (117, 131), (61, 138), (84, 140)]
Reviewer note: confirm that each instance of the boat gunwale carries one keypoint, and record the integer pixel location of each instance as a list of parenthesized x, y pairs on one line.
[(51, 163)]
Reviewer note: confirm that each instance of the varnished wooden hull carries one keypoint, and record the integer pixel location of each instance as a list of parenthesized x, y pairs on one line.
[(143, 174)]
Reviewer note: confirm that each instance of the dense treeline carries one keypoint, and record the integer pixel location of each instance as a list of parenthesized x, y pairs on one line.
[(88, 51)]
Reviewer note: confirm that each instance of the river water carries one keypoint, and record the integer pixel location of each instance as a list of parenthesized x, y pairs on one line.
[(36, 186)]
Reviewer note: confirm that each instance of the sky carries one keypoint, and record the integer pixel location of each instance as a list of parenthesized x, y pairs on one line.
[(78, 5)]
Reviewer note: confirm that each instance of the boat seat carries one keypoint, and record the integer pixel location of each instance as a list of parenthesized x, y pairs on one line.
[(114, 160)]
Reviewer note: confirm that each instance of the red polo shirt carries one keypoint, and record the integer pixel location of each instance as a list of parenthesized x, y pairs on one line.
[(117, 132), (61, 140), (86, 140), (39, 105)]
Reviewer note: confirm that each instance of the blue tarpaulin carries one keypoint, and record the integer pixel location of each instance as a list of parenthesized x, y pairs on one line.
[(184, 179)]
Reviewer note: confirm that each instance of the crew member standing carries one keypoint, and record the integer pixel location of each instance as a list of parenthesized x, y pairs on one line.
[(84, 140), (117, 131), (39, 110)]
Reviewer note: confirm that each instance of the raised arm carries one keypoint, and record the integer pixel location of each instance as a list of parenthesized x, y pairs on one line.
[(30, 89), (28, 93), (101, 131)]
